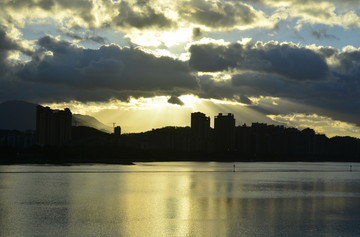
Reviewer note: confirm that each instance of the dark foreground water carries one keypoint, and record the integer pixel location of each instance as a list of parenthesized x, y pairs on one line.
[(181, 199)]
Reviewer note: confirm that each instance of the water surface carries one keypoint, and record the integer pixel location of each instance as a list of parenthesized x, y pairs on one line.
[(181, 199)]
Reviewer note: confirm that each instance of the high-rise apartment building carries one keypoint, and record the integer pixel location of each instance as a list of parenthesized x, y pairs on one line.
[(224, 126), (117, 131), (53, 127), (200, 129)]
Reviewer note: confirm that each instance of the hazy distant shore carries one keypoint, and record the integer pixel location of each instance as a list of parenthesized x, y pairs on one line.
[(127, 158)]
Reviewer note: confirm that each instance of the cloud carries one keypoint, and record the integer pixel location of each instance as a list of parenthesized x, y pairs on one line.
[(136, 16), (84, 36), (245, 100), (6, 45), (347, 62), (327, 12), (313, 79), (321, 80), (140, 15), (217, 14), (125, 15), (116, 72), (320, 124), (322, 34), (10, 46), (70, 12), (197, 33), (130, 15), (216, 89), (175, 100), (286, 59), (337, 98), (220, 15)]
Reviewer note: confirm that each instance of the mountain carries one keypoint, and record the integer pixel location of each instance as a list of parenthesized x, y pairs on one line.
[(88, 121), (21, 115), (17, 115)]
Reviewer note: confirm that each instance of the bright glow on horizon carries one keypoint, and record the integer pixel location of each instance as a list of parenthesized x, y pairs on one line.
[(143, 114), (321, 124)]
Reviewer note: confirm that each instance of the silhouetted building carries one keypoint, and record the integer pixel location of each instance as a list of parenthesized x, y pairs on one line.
[(17, 139), (224, 127), (200, 131), (117, 131), (53, 127)]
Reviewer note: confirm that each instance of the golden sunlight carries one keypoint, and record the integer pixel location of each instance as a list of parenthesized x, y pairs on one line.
[(143, 114), (157, 38), (320, 124)]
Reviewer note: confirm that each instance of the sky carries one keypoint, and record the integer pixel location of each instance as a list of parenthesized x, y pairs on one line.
[(149, 64)]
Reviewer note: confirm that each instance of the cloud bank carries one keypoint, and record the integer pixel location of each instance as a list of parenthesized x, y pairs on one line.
[(321, 77), (108, 72), (224, 15)]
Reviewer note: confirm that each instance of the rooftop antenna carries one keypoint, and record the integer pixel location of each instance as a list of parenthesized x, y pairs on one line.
[(114, 125)]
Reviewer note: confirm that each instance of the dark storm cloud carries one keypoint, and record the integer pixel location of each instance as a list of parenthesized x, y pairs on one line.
[(256, 84), (245, 100), (175, 100), (43, 92), (327, 52), (211, 88), (211, 58), (79, 8), (7, 45), (123, 15), (219, 15), (57, 46), (316, 80), (217, 89), (49, 4), (338, 99), (122, 71), (349, 62), (141, 15), (286, 60), (197, 33)]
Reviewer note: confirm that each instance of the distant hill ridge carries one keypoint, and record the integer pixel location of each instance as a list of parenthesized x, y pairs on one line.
[(89, 121), (21, 115)]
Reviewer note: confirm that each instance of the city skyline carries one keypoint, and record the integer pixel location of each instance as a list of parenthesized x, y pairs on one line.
[(23, 115), (294, 63), (56, 140)]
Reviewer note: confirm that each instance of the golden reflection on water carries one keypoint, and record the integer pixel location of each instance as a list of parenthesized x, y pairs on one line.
[(186, 204), (179, 204), (155, 203)]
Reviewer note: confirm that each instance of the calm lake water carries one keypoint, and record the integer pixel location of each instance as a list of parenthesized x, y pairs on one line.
[(181, 199)]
